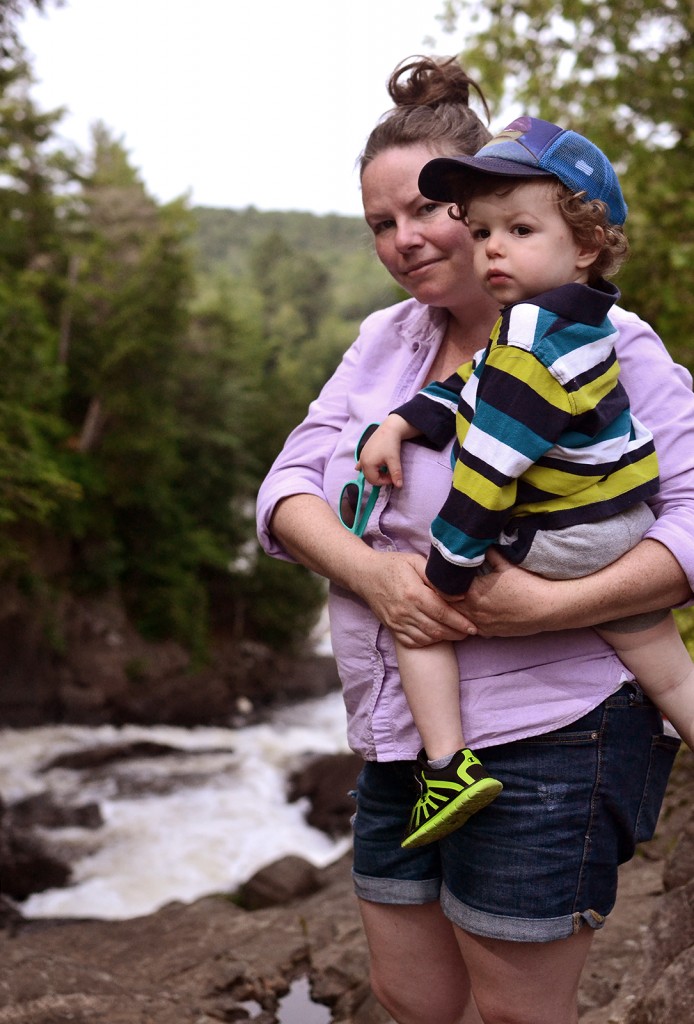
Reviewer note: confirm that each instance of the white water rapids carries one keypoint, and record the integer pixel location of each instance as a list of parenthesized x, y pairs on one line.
[(175, 828)]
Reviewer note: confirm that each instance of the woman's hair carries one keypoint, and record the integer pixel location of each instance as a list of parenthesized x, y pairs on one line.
[(432, 108), (589, 220)]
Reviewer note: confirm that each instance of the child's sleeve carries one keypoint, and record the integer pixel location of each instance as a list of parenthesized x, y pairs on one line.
[(432, 410), (520, 412)]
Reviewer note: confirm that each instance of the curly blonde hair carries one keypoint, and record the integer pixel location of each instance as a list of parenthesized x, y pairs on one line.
[(584, 216)]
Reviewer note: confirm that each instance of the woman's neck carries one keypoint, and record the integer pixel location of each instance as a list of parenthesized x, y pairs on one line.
[(462, 338)]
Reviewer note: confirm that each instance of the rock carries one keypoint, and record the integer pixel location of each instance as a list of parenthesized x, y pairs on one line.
[(104, 671), (26, 866), (197, 963), (108, 753), (327, 782), (10, 917), (646, 950), (679, 866), (671, 1000), (279, 883), (41, 810), (668, 946)]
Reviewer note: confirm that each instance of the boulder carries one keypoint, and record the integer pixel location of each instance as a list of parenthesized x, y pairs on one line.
[(328, 782), (41, 810), (279, 883), (651, 967), (26, 866)]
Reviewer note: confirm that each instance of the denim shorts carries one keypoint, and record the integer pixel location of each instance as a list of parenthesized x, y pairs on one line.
[(541, 860)]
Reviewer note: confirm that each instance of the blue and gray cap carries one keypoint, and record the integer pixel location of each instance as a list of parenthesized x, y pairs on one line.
[(529, 147)]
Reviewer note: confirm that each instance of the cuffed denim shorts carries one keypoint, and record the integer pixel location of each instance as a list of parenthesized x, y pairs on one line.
[(541, 860)]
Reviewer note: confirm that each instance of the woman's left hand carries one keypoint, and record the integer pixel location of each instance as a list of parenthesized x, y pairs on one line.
[(509, 601)]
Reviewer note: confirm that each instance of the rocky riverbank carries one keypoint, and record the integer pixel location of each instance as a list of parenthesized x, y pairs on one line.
[(90, 666), (234, 957)]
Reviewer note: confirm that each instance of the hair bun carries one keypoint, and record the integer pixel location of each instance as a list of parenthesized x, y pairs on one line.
[(421, 81), (432, 109)]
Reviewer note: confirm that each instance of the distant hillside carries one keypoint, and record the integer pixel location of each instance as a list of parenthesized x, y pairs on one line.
[(225, 236), (343, 245)]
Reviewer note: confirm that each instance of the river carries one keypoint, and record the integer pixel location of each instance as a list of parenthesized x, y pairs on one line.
[(174, 827)]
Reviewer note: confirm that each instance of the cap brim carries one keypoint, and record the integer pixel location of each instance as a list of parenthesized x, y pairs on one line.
[(441, 179)]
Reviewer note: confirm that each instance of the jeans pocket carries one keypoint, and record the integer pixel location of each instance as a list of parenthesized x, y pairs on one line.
[(663, 752)]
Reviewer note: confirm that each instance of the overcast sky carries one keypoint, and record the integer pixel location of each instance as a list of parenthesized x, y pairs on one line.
[(232, 102)]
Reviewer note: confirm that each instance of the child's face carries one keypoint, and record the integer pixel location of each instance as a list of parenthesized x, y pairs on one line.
[(521, 243)]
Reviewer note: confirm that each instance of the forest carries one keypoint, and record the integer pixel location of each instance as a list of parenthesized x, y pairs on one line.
[(155, 356)]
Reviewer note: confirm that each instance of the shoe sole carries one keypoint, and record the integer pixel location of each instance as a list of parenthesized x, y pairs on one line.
[(460, 809)]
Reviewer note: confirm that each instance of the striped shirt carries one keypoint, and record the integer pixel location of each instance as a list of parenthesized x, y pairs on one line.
[(545, 435)]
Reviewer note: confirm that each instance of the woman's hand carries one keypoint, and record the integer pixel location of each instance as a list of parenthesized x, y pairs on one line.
[(395, 588), (509, 601), (393, 584)]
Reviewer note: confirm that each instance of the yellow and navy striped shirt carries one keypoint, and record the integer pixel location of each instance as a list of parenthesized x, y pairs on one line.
[(545, 438)]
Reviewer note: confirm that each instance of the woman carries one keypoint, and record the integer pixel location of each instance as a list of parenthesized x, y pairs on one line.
[(506, 907)]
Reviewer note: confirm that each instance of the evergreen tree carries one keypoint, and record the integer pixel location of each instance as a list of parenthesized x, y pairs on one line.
[(123, 355), (253, 382), (138, 418), (34, 482)]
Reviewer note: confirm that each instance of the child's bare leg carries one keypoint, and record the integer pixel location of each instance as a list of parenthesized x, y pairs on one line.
[(431, 681), (453, 783), (663, 669)]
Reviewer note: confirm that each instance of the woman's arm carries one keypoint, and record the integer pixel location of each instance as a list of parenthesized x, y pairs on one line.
[(391, 583), (513, 602)]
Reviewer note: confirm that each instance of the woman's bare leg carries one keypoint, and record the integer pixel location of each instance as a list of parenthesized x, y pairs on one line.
[(417, 971), (526, 982)]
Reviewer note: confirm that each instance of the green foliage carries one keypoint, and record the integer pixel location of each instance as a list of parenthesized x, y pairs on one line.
[(11, 13), (685, 624), (620, 72), (34, 480), (225, 240), (154, 360), (125, 362), (32, 483), (279, 602)]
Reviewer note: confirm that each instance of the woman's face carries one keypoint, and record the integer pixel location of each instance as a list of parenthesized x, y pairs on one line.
[(427, 252)]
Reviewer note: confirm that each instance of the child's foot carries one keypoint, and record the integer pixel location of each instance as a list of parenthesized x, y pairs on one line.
[(449, 797)]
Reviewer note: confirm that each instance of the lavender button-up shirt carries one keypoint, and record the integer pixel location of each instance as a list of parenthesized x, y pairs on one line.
[(510, 687)]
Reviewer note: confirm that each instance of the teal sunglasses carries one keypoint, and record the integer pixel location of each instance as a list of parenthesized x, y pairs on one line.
[(355, 507)]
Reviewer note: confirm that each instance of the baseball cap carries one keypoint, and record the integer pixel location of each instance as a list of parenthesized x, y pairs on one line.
[(530, 147)]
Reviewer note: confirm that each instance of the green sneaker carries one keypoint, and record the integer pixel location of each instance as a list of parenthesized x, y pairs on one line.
[(449, 797)]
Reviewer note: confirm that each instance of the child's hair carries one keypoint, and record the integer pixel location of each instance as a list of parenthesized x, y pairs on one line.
[(432, 108), (583, 216)]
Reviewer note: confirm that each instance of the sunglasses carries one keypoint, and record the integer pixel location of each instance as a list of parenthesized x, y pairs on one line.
[(355, 507)]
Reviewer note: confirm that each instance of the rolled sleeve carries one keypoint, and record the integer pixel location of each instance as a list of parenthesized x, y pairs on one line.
[(300, 466)]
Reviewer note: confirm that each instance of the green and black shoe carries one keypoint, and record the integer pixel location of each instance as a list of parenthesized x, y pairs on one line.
[(449, 797)]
